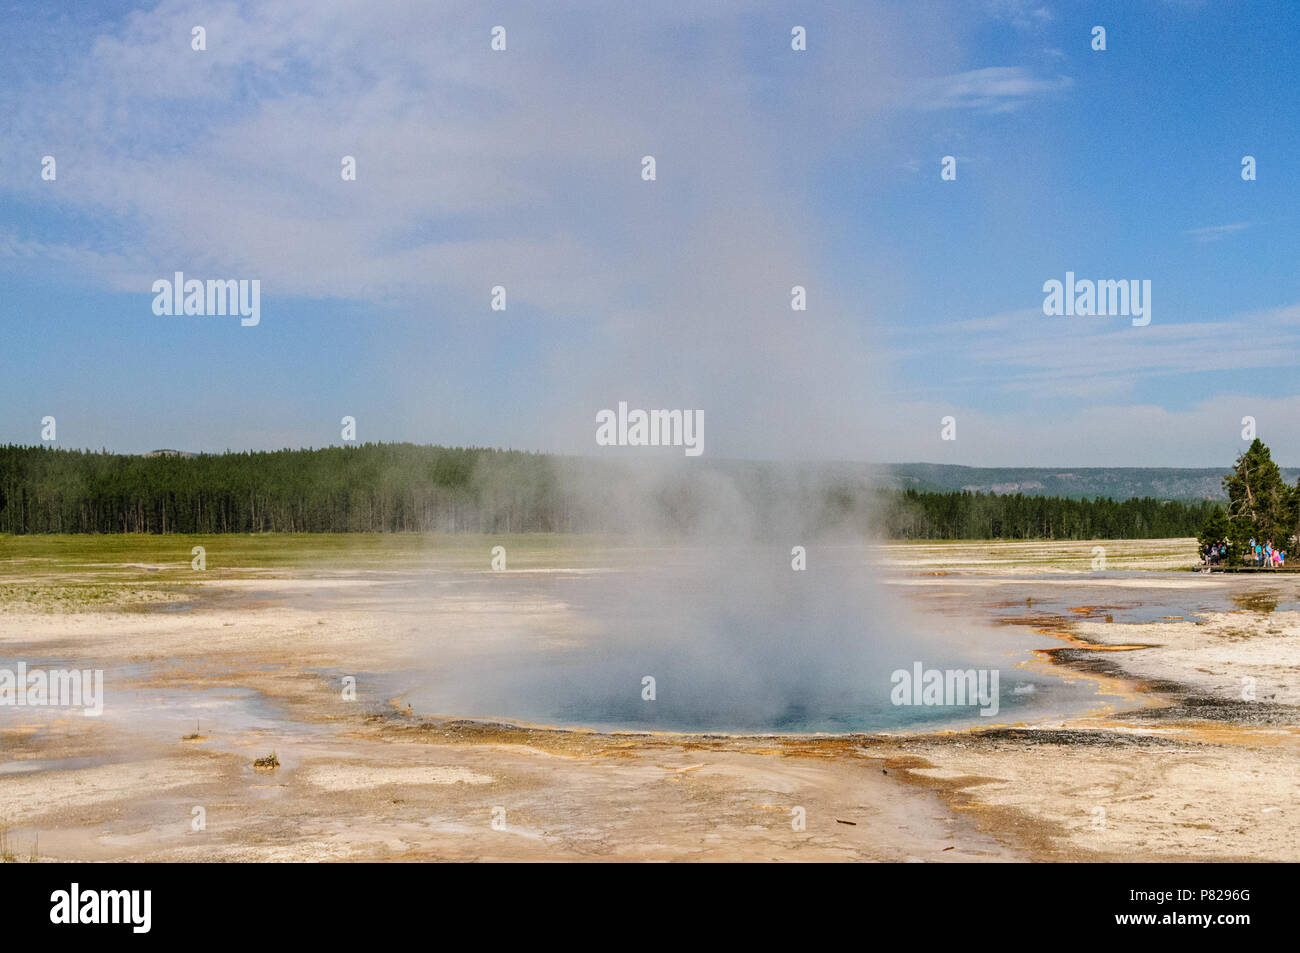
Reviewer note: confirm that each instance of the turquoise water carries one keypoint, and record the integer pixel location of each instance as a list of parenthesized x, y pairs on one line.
[(767, 651)]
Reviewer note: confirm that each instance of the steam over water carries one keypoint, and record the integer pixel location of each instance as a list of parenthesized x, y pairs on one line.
[(735, 640)]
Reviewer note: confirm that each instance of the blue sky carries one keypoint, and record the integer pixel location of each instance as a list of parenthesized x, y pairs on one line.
[(775, 168)]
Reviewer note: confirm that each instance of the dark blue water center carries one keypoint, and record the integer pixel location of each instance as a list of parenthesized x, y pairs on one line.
[(745, 652)]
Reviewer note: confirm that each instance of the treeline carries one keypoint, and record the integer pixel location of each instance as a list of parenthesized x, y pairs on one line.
[(964, 515), (372, 488), (394, 488)]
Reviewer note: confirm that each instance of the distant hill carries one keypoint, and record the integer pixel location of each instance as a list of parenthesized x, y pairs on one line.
[(1118, 483)]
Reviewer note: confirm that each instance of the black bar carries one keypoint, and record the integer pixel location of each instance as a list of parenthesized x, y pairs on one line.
[(256, 903)]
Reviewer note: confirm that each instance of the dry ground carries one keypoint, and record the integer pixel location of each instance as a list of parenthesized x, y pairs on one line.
[(1191, 770)]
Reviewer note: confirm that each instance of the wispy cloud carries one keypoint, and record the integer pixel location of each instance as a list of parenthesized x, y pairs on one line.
[(1026, 351), (1022, 14), (476, 169), (993, 89), (1212, 233)]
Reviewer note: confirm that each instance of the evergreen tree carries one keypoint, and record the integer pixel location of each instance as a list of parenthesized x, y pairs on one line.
[(1260, 504)]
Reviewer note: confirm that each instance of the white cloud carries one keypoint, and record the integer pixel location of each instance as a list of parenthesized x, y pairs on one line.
[(1212, 233), (1022, 14), (476, 169), (992, 89)]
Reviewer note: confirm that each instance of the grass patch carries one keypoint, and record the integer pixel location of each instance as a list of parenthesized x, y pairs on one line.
[(7, 853), (140, 557), (73, 596)]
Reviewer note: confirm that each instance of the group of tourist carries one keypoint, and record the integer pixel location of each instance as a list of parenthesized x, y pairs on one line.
[(1266, 555), (1212, 554), (1263, 555)]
